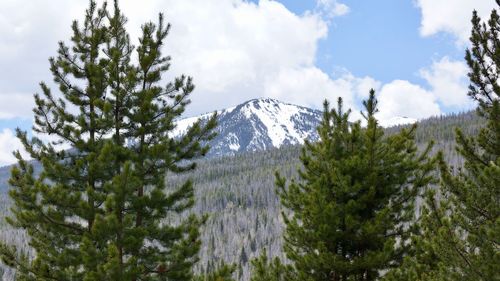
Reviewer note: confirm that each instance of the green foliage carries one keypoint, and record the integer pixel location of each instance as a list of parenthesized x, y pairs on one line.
[(101, 210), (248, 181), (424, 263), (355, 201), (461, 223), (223, 273), (264, 269)]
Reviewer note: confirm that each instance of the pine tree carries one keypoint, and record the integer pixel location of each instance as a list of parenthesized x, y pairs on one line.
[(102, 209), (353, 208), (461, 226), (264, 269), (224, 272)]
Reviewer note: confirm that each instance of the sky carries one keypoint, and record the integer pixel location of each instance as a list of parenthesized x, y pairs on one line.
[(297, 51)]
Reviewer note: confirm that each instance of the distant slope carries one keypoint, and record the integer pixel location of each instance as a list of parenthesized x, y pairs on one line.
[(258, 124), (238, 191), (264, 123)]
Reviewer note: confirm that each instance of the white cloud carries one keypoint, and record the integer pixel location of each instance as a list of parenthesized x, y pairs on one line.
[(16, 105), (29, 37), (8, 144), (235, 50), (311, 86), (449, 82), (229, 46), (451, 16), (446, 90), (401, 98), (332, 8), (233, 47)]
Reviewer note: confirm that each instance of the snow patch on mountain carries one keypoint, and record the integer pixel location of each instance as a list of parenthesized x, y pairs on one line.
[(397, 121), (233, 142), (183, 125), (257, 124), (277, 118)]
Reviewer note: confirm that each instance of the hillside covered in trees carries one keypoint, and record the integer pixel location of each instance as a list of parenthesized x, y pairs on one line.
[(239, 195), (117, 186)]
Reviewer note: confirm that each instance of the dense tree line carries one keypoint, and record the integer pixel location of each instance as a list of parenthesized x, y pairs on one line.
[(220, 183), (363, 203)]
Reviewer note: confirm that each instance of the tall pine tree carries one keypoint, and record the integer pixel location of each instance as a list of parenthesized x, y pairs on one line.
[(461, 226), (101, 210), (351, 213)]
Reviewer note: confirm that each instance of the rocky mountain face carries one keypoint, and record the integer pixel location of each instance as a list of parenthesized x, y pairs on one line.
[(258, 124)]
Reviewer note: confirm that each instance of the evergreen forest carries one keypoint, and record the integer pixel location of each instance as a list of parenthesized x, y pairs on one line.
[(129, 201)]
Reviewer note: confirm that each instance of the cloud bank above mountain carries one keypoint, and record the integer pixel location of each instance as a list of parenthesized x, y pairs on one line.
[(236, 50)]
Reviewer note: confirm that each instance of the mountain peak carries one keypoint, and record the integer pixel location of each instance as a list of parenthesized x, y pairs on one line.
[(258, 124), (270, 101), (263, 99), (264, 123)]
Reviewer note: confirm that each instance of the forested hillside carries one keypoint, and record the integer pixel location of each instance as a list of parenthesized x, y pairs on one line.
[(238, 194)]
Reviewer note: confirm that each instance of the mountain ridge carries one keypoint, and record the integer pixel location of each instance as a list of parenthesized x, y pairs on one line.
[(257, 124), (263, 123)]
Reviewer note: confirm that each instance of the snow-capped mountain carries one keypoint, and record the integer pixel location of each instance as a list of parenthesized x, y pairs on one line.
[(265, 123), (258, 124)]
